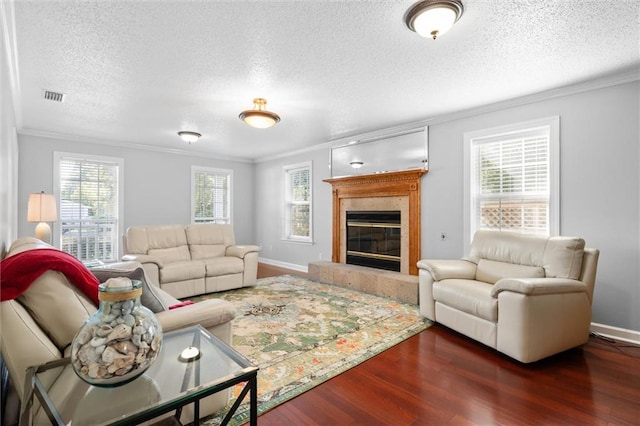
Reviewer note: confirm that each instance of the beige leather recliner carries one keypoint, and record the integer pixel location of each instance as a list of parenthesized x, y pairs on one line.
[(194, 259), (527, 296), (39, 325)]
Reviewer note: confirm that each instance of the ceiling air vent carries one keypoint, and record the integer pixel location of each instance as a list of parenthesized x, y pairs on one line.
[(54, 96)]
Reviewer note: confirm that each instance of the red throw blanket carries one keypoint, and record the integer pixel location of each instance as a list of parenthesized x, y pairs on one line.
[(20, 270)]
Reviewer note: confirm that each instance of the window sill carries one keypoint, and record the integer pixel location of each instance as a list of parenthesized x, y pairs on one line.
[(303, 242)]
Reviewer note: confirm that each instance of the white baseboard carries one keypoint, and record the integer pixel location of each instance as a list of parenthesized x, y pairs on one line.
[(616, 333), (286, 265)]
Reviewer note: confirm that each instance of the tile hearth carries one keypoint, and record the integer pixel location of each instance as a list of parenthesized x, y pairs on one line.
[(398, 286)]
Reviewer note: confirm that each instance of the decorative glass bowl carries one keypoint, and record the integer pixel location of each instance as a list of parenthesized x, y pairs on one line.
[(118, 342)]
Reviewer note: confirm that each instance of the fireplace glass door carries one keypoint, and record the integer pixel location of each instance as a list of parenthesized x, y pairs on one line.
[(373, 239)]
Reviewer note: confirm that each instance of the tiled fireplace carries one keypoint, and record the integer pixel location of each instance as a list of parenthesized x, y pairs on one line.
[(378, 194)]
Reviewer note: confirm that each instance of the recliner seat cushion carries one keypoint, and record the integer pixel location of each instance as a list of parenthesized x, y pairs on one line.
[(470, 296), (218, 266), (182, 271)]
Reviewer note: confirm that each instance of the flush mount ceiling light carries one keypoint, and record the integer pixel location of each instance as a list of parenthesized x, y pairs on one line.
[(432, 18), (189, 137), (356, 164), (259, 117)]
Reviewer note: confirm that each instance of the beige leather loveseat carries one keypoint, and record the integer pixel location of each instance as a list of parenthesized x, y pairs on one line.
[(194, 259), (39, 325), (526, 296)]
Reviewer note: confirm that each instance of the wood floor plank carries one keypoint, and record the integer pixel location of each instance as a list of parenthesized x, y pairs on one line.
[(441, 377)]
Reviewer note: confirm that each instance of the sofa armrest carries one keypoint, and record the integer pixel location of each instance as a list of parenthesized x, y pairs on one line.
[(442, 269), (241, 251), (142, 258), (537, 286), (207, 313)]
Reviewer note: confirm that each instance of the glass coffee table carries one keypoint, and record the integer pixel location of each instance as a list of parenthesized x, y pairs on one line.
[(171, 383)]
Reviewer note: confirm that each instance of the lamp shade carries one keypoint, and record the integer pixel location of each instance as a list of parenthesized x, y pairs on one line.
[(432, 18), (42, 208)]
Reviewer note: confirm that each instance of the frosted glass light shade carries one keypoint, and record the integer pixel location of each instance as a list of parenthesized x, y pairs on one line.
[(189, 137), (435, 22), (432, 18), (259, 117)]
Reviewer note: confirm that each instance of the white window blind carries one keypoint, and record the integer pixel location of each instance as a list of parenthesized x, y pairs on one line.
[(211, 195), (513, 179), (89, 190), (298, 197)]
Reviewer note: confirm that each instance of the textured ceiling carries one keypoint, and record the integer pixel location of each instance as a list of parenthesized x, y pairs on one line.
[(138, 72)]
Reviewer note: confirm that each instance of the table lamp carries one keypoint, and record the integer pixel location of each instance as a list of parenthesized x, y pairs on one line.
[(42, 209)]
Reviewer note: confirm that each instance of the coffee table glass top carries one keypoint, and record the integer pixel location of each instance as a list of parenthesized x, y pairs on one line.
[(170, 380)]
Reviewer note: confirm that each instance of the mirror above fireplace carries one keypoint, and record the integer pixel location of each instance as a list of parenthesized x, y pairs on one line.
[(404, 151)]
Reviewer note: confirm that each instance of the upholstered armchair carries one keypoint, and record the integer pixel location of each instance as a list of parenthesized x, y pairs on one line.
[(527, 296), (39, 325)]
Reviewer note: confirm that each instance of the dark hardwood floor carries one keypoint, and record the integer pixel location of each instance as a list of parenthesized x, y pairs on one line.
[(441, 377)]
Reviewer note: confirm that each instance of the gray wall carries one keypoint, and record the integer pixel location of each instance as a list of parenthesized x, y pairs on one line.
[(599, 191), (599, 187), (157, 185), (269, 200)]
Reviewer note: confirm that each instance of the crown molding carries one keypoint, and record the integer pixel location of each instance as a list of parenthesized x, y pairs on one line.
[(609, 80), (130, 145), (10, 50)]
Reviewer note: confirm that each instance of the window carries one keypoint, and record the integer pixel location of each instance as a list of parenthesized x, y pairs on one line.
[(210, 195), (511, 181), (297, 208), (89, 190)]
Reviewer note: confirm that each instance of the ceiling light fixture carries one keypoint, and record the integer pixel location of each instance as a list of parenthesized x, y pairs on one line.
[(432, 18), (356, 164), (259, 117), (189, 137)]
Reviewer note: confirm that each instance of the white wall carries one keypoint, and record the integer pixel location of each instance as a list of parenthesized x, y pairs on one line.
[(157, 185), (8, 155), (599, 191)]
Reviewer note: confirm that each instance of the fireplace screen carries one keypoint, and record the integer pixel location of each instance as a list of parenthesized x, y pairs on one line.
[(373, 239)]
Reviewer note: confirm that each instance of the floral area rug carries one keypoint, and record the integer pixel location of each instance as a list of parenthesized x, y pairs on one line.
[(302, 333)]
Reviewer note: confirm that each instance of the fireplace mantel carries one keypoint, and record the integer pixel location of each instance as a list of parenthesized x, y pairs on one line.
[(404, 183)]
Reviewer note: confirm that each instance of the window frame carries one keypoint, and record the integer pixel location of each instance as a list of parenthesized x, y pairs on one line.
[(286, 222), (58, 156), (504, 132), (217, 171)]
